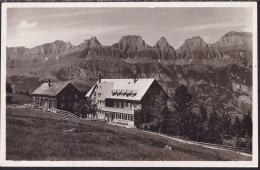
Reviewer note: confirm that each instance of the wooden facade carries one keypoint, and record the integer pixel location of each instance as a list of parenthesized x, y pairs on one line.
[(62, 98)]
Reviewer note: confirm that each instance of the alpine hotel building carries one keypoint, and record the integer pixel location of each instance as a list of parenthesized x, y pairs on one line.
[(123, 100)]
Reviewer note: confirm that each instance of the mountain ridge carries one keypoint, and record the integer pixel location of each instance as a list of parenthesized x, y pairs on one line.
[(218, 76)]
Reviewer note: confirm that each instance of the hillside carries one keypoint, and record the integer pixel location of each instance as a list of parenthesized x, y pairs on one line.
[(38, 135), (218, 75)]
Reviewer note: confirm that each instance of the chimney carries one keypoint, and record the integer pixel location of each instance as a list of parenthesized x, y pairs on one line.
[(99, 78), (135, 78), (49, 82)]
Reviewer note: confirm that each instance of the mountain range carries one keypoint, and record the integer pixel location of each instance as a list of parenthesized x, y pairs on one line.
[(218, 75)]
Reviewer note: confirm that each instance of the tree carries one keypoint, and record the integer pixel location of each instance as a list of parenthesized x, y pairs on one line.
[(159, 109), (203, 114), (85, 108), (27, 93), (236, 127), (213, 128), (202, 119), (8, 88), (247, 125), (184, 117), (226, 123)]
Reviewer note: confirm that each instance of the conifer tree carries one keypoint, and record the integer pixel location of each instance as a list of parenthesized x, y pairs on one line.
[(236, 128), (226, 123), (184, 124), (159, 110), (8, 88), (214, 128), (247, 125), (202, 119)]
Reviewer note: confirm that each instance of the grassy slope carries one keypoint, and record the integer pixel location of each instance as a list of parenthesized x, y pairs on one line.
[(37, 135)]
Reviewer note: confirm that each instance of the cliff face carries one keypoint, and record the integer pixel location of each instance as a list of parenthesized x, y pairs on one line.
[(218, 75), (193, 44), (232, 48), (239, 40), (57, 47), (130, 44)]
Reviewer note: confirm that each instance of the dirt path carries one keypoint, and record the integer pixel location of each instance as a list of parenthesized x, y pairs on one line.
[(198, 143)]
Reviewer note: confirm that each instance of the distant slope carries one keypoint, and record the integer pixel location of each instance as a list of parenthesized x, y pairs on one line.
[(37, 135)]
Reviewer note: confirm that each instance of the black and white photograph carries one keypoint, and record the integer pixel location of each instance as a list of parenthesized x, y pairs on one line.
[(129, 84)]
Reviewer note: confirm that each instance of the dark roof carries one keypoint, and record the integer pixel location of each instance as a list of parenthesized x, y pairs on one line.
[(53, 90)]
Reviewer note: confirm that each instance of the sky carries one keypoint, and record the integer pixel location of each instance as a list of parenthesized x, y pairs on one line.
[(30, 27)]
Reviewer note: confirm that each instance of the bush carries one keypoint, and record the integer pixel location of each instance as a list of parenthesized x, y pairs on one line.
[(154, 128), (145, 127), (151, 128)]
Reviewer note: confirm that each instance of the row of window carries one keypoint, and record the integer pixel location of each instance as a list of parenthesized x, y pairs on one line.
[(122, 116), (63, 106), (40, 97), (124, 94), (101, 102), (69, 97), (125, 105)]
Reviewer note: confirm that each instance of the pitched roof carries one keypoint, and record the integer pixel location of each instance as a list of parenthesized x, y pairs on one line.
[(138, 88), (53, 90)]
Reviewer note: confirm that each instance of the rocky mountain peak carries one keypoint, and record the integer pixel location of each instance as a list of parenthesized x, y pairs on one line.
[(162, 44), (193, 43), (235, 39), (131, 43), (92, 42)]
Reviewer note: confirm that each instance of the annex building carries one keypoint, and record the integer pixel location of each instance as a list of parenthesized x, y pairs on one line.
[(123, 101), (56, 95)]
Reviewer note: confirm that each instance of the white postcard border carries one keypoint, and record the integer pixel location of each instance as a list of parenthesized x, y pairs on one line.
[(4, 162)]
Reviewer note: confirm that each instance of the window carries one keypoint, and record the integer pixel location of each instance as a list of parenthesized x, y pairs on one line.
[(62, 105), (99, 94), (94, 93), (70, 105), (124, 116), (113, 115), (62, 97), (124, 105), (130, 117), (69, 97), (119, 104), (115, 104), (76, 96), (133, 94)]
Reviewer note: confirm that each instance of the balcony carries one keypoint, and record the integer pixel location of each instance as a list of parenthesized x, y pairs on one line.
[(120, 110)]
